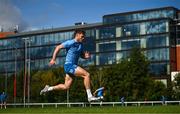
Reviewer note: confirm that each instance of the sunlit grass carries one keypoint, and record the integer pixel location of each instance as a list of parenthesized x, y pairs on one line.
[(95, 110)]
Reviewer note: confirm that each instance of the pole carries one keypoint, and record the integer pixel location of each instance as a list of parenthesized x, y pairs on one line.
[(27, 66), (15, 71), (67, 97), (29, 70), (6, 81), (25, 69)]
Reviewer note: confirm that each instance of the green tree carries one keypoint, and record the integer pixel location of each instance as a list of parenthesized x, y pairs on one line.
[(97, 77), (177, 86), (77, 92), (155, 90), (49, 77), (129, 78)]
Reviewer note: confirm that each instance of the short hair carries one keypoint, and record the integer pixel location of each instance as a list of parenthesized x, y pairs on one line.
[(79, 31)]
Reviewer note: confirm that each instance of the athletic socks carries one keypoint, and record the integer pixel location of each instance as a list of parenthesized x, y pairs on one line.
[(50, 88), (89, 94)]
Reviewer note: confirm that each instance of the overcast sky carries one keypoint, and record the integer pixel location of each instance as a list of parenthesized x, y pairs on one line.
[(38, 14)]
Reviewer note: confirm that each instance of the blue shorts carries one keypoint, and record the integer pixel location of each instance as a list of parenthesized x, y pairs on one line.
[(70, 68)]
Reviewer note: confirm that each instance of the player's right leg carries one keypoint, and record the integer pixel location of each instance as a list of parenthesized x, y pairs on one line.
[(66, 85)]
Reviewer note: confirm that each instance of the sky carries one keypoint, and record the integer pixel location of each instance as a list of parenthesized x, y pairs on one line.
[(42, 14)]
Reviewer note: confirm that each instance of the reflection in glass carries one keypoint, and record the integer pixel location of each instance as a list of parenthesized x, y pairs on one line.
[(121, 18), (107, 58), (158, 68), (161, 54)]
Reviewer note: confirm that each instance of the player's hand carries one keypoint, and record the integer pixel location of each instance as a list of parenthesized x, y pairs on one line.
[(86, 55), (52, 62)]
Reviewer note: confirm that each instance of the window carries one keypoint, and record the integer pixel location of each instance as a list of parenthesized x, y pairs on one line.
[(107, 47), (129, 44), (157, 41), (165, 13), (87, 62), (107, 58), (156, 27), (159, 68), (107, 32), (89, 44), (158, 54), (122, 55), (131, 29), (178, 41)]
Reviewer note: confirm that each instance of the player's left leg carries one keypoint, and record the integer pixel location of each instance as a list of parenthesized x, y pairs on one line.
[(66, 85), (5, 104)]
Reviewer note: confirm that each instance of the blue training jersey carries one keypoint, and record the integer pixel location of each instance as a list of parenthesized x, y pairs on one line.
[(74, 51), (3, 97)]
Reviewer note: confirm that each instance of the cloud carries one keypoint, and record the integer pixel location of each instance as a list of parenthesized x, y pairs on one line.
[(10, 16)]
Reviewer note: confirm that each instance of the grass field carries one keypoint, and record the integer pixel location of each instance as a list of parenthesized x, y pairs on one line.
[(96, 110)]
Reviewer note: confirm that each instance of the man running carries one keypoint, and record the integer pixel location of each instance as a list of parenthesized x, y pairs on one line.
[(3, 98), (74, 48)]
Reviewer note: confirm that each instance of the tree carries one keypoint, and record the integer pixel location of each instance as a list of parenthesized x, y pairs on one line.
[(129, 78), (155, 90), (97, 77), (50, 77), (177, 86)]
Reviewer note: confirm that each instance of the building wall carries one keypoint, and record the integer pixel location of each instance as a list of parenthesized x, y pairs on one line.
[(178, 57), (108, 43)]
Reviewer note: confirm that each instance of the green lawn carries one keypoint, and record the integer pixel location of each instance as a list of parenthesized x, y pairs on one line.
[(96, 110)]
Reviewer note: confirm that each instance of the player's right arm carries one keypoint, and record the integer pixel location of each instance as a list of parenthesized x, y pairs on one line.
[(57, 49), (65, 44)]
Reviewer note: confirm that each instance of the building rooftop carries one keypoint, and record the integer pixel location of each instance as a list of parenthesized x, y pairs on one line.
[(5, 34), (140, 11), (53, 30)]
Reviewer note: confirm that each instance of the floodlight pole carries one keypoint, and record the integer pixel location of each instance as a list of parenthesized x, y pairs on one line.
[(29, 70), (15, 74), (67, 97), (26, 78)]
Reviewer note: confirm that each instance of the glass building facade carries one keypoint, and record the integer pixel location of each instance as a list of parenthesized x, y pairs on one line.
[(109, 42)]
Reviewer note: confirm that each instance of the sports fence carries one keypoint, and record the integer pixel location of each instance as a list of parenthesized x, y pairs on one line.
[(85, 104)]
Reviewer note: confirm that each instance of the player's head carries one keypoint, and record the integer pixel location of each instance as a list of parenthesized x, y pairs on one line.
[(79, 35)]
